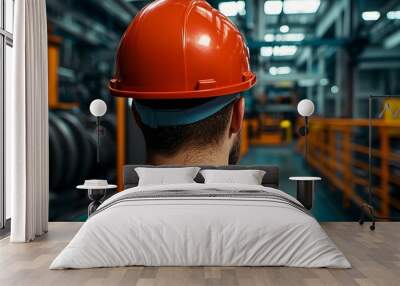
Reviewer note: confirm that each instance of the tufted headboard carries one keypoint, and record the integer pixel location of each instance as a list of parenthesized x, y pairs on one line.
[(270, 179)]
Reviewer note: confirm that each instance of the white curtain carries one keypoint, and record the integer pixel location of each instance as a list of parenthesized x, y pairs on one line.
[(27, 124)]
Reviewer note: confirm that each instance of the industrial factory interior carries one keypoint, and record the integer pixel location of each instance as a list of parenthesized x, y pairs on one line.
[(199, 142)]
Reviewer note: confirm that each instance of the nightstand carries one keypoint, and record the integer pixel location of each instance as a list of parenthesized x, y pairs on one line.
[(305, 190), (97, 190)]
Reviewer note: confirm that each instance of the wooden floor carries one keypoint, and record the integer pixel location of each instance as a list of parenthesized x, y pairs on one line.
[(375, 257)]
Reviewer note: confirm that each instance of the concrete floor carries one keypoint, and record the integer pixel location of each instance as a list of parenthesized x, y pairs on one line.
[(328, 203)]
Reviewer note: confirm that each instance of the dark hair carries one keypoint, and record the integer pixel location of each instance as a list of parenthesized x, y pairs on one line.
[(168, 140)]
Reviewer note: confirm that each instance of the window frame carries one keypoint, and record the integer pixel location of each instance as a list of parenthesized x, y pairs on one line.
[(6, 39)]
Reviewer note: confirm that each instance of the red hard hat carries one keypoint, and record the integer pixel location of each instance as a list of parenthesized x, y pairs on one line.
[(181, 49)]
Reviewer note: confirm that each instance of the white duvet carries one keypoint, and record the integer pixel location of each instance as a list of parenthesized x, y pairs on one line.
[(200, 231)]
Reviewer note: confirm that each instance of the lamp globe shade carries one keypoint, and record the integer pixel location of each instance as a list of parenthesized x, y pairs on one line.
[(98, 108), (305, 107)]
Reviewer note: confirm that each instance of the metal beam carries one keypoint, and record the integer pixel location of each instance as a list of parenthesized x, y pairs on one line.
[(249, 15), (114, 9), (371, 54), (331, 17), (267, 78), (276, 108), (316, 42), (303, 56), (309, 70), (87, 34), (128, 7), (377, 26), (80, 26), (392, 41), (320, 88), (379, 65)]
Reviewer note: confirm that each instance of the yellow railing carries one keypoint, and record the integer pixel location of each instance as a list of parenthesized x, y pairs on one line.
[(333, 153)]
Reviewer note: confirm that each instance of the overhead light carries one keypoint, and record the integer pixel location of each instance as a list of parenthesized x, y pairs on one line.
[(300, 6), (334, 89), (278, 51), (241, 6), (273, 70), (273, 7), (291, 37), (285, 50), (306, 82), (232, 8), (284, 29), (371, 15), (284, 70), (323, 81), (393, 15), (269, 37), (279, 70), (266, 51)]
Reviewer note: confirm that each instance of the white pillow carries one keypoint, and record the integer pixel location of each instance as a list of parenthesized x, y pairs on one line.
[(248, 177), (166, 176)]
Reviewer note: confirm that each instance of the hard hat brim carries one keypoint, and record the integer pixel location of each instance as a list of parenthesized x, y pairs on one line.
[(167, 117), (192, 94)]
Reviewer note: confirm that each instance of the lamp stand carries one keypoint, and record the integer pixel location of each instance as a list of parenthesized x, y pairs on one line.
[(98, 138), (305, 137)]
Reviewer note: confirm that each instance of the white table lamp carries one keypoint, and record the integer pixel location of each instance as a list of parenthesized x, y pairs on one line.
[(306, 108), (98, 108)]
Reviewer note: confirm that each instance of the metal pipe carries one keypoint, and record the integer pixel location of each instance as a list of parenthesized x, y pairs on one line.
[(305, 137), (370, 150)]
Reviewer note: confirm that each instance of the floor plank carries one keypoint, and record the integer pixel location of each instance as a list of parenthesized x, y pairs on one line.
[(375, 257)]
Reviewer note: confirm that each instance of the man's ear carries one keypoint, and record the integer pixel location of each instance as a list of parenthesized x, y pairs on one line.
[(237, 116)]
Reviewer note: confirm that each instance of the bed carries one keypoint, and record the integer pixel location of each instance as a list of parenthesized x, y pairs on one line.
[(197, 224)]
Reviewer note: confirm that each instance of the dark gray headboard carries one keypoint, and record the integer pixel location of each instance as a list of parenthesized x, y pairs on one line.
[(271, 177)]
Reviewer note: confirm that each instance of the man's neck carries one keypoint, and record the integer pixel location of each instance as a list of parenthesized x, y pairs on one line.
[(192, 157)]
